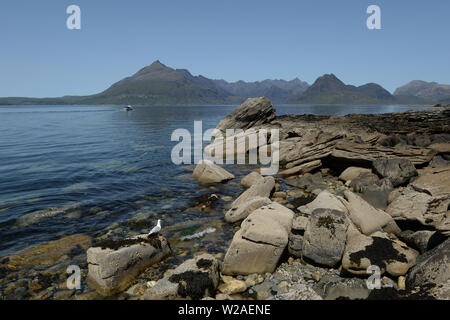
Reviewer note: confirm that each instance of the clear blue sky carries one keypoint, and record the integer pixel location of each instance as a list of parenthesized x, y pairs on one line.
[(229, 39)]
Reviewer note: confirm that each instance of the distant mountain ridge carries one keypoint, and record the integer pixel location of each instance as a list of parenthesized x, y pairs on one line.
[(328, 89), (429, 91), (160, 84), (279, 91)]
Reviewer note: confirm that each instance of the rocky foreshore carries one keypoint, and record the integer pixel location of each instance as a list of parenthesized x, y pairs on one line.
[(354, 195)]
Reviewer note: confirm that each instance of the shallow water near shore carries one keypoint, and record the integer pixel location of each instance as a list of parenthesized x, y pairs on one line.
[(104, 172)]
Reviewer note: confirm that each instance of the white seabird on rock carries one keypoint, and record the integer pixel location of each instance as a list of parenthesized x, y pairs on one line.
[(156, 229)]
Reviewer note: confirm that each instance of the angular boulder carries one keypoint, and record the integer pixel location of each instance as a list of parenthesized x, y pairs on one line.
[(422, 240), (325, 236), (410, 205), (399, 171), (251, 113), (413, 206), (195, 279), (432, 270), (243, 210), (113, 265), (208, 172), (258, 245), (366, 218)]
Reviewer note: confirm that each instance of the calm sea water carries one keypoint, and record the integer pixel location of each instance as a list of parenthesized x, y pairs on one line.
[(89, 169)]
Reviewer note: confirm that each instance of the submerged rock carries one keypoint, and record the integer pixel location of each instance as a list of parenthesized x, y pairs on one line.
[(113, 265), (49, 252), (41, 215), (208, 172), (195, 279)]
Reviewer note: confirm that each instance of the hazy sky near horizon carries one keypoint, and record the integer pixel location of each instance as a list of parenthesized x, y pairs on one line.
[(233, 40)]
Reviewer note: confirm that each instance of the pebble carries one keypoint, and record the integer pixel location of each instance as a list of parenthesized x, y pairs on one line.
[(401, 283)]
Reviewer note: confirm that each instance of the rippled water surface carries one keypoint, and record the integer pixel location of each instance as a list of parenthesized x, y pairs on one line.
[(92, 169)]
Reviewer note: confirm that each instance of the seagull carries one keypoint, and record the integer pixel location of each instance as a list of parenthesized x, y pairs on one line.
[(156, 229)]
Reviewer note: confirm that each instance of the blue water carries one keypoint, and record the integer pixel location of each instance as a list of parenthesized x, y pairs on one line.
[(100, 165)]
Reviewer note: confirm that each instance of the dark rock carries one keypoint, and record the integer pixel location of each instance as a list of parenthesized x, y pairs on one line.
[(398, 171), (308, 182), (439, 161), (253, 112), (372, 189), (433, 267), (423, 240)]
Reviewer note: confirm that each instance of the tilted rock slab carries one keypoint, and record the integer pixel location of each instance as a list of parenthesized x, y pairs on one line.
[(208, 172), (115, 265), (366, 218), (258, 245), (303, 168), (253, 112), (243, 210), (260, 189)]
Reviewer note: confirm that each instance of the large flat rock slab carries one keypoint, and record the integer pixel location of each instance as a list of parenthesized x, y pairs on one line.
[(113, 265)]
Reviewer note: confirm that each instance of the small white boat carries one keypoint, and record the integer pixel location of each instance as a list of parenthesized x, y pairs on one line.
[(129, 108)]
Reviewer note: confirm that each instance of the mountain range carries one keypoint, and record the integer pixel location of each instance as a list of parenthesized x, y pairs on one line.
[(160, 84), (429, 91)]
